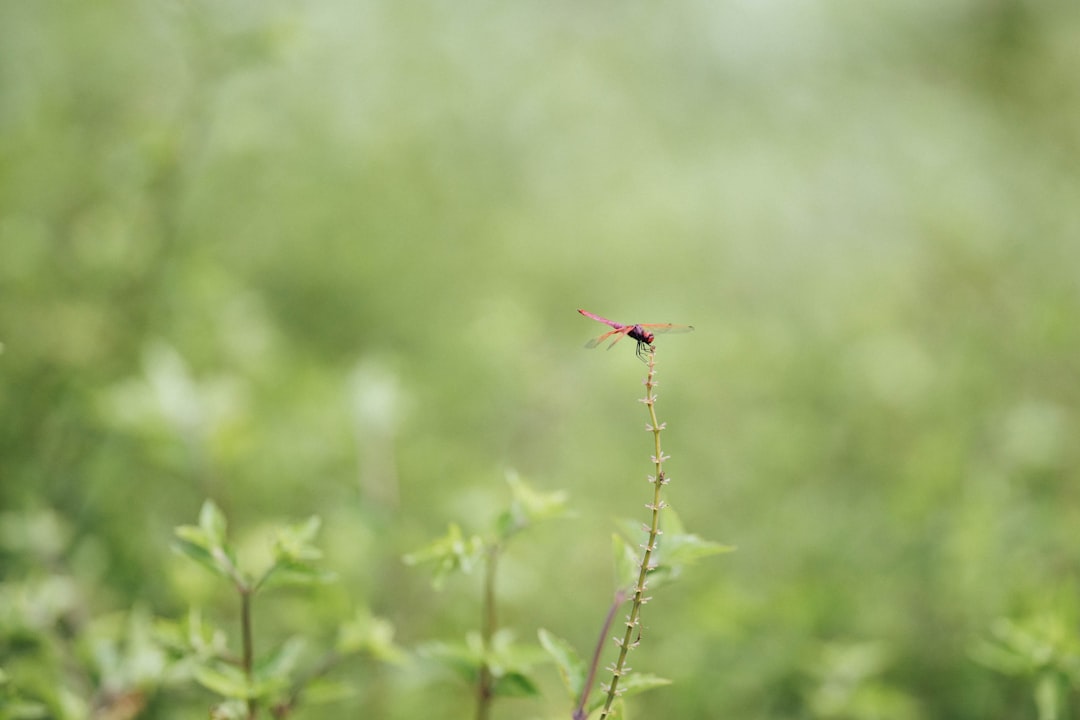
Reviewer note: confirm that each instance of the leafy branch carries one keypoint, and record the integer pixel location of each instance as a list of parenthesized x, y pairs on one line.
[(248, 682), (489, 659)]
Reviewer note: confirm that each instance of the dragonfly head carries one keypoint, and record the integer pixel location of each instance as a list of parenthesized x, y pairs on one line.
[(647, 336)]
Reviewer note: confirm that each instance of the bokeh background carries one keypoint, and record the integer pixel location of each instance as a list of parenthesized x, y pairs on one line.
[(324, 258)]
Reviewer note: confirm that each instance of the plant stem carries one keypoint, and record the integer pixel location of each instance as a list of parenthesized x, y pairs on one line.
[(579, 712), (658, 480), (249, 653), (488, 623)]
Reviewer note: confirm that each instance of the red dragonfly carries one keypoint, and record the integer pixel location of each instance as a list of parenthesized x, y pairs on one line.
[(644, 333)]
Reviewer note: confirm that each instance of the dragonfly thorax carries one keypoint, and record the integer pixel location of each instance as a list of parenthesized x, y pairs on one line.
[(641, 335)]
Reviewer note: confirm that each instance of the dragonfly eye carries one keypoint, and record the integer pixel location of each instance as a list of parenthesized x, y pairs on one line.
[(649, 337)]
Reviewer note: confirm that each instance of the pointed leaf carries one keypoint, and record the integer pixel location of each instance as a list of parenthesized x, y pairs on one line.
[(24, 710), (506, 525), (322, 691), (279, 665), (212, 522), (677, 552), (514, 684), (671, 523), (1000, 658), (294, 543), (635, 531), (571, 668), (226, 680), (629, 685), (637, 683), (295, 574), (191, 636), (506, 654), (367, 633), (450, 553), (528, 506), (688, 549), (191, 542), (194, 536), (206, 543), (460, 658)]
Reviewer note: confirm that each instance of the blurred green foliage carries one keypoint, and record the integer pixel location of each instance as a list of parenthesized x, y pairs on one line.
[(323, 259)]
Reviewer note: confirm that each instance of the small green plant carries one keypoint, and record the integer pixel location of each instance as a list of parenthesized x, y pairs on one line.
[(638, 570), (248, 681), (491, 660), (58, 658), (1043, 648)]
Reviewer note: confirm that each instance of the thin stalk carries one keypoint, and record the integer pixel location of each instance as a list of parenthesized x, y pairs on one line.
[(579, 712), (248, 660), (485, 686), (658, 480)]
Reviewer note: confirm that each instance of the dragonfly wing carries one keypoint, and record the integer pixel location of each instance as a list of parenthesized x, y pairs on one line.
[(667, 328), (619, 335), (597, 340)]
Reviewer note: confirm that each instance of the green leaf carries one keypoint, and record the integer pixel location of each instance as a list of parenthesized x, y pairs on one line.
[(321, 691), (13, 707), (683, 550), (193, 543), (374, 635), (279, 665), (1032, 645), (294, 543), (633, 530), (23, 710), (637, 683), (295, 574), (205, 544), (630, 685), (229, 681), (571, 668), (201, 556), (507, 655), (627, 562), (675, 548), (528, 507), (1001, 659), (191, 636), (671, 523), (212, 523), (450, 553), (195, 536), (225, 680), (514, 684), (460, 658), (503, 658), (506, 525)]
